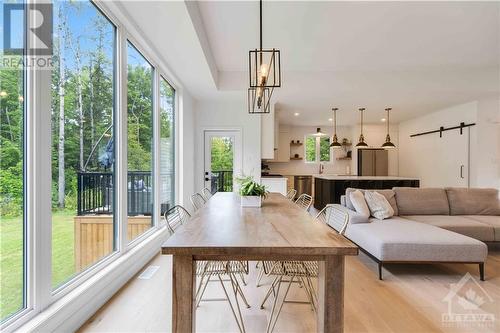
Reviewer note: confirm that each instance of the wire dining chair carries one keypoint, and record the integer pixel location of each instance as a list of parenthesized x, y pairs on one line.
[(197, 201), (206, 194), (206, 271), (304, 201), (301, 272), (291, 194), (175, 217)]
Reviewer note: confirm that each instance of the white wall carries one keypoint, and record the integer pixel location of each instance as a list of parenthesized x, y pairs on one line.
[(374, 136), (186, 150), (436, 160), (231, 115)]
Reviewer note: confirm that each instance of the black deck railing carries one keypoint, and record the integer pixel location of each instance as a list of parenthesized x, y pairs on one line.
[(222, 181), (95, 193)]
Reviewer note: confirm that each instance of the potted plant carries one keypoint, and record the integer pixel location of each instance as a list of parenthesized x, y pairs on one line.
[(251, 192)]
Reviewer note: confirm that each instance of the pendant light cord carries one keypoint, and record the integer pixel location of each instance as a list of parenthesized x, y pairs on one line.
[(261, 27)]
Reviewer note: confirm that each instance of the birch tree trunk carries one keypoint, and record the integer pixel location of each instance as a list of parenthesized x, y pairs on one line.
[(61, 181)]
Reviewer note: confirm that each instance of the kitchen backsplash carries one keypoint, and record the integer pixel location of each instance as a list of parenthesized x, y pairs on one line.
[(301, 168)]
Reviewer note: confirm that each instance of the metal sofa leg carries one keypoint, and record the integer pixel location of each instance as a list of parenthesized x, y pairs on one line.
[(481, 271), (380, 271)]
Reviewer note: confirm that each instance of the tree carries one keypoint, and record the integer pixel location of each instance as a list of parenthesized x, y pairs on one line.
[(61, 181)]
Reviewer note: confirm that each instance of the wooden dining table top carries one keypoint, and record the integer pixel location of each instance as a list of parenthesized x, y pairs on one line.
[(222, 227)]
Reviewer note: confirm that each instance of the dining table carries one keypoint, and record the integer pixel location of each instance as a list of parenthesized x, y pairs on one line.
[(278, 230)]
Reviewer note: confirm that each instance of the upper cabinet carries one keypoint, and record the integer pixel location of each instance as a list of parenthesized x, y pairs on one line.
[(282, 154), (268, 123)]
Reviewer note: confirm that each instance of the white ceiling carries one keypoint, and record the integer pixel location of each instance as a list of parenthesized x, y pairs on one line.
[(414, 56)]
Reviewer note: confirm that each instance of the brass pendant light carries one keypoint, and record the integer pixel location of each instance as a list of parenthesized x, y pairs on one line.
[(335, 142), (388, 144), (265, 75), (361, 143)]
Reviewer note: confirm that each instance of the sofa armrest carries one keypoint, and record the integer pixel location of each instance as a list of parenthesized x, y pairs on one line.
[(342, 200), (338, 217)]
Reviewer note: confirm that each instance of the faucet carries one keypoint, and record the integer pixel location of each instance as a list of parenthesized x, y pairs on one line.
[(321, 168)]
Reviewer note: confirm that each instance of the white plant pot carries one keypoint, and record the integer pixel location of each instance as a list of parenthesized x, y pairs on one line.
[(251, 201)]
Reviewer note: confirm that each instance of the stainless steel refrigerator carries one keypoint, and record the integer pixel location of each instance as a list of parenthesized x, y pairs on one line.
[(373, 162)]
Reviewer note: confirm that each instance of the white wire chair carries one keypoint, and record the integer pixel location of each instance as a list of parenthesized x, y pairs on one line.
[(207, 270), (301, 272), (175, 217), (197, 201), (304, 201), (291, 194), (206, 193)]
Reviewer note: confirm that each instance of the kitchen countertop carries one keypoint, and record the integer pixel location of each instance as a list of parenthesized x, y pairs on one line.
[(339, 177)]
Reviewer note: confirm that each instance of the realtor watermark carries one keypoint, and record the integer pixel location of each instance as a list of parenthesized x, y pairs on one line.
[(27, 43), (467, 301)]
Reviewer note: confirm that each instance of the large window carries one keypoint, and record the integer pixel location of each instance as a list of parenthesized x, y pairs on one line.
[(167, 151), (140, 143), (12, 217), (83, 149), (73, 224)]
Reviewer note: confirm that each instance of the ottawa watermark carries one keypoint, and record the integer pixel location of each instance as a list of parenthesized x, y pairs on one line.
[(27, 43), (467, 303)]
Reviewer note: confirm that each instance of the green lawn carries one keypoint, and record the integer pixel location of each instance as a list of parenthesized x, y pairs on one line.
[(11, 257)]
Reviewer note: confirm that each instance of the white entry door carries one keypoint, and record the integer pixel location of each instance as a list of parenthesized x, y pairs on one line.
[(223, 158)]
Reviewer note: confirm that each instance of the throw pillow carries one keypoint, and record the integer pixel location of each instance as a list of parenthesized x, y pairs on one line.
[(359, 203), (379, 207)]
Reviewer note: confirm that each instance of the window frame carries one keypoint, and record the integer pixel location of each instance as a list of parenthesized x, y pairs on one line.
[(37, 142), (317, 150)]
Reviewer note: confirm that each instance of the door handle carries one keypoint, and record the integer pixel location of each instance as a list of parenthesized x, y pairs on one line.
[(462, 171)]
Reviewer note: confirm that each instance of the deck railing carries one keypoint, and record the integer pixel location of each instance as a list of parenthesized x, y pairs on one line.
[(95, 192), (222, 181)]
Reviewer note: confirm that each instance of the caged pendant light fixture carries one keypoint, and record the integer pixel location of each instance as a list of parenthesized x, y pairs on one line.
[(361, 143), (388, 143), (264, 74), (335, 142)]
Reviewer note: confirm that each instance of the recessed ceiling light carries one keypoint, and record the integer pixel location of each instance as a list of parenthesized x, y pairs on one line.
[(296, 114), (330, 119), (383, 119)]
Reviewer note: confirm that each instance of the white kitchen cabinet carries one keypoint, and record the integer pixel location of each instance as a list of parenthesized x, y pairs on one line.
[(283, 152), (268, 134), (275, 184)]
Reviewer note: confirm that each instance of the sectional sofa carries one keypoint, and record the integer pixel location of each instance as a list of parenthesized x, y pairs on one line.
[(430, 225)]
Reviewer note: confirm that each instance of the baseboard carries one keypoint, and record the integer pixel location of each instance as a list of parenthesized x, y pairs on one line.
[(73, 310)]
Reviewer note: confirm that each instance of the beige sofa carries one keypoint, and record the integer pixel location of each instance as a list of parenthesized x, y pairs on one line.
[(429, 225)]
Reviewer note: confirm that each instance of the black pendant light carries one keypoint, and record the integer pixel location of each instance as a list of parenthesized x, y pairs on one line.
[(318, 132), (361, 143), (335, 142), (388, 144), (265, 75)]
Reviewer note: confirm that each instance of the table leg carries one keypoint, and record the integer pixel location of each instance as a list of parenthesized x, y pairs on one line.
[(330, 315), (183, 302)]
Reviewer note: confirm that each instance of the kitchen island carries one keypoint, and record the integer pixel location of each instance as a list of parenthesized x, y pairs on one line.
[(329, 188)]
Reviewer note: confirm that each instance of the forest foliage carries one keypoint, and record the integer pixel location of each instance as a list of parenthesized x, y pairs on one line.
[(83, 90)]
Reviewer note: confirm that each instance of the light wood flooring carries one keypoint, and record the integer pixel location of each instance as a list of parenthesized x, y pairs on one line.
[(410, 299)]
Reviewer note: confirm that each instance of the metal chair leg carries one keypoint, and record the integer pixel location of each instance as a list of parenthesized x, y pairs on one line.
[(269, 291), (281, 303), (241, 329), (259, 277), (269, 323)]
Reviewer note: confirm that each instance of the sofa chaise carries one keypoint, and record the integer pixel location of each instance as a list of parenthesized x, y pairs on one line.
[(430, 225)]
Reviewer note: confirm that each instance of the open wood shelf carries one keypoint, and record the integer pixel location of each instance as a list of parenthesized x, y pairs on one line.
[(344, 158), (296, 144), (295, 158)]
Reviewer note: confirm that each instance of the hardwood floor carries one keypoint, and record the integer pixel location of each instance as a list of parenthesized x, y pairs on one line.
[(410, 299)]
